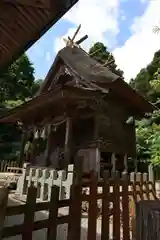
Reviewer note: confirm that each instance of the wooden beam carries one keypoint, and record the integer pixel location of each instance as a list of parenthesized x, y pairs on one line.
[(67, 146), (50, 146), (75, 34), (42, 4), (125, 163), (81, 40), (34, 149), (96, 126), (23, 142), (3, 46), (113, 161), (10, 35)]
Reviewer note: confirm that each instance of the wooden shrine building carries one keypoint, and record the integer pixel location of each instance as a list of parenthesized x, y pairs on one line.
[(81, 109)]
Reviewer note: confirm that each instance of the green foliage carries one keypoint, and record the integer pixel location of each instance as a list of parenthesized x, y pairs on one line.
[(36, 86), (155, 145), (17, 86), (102, 55), (147, 83), (17, 82), (148, 141), (10, 136), (155, 83)]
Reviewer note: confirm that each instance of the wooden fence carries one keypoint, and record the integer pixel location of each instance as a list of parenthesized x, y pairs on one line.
[(116, 207), (147, 220), (9, 166), (44, 178)]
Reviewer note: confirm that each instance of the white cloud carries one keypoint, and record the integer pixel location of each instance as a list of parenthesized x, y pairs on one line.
[(139, 49), (97, 17), (144, 1)]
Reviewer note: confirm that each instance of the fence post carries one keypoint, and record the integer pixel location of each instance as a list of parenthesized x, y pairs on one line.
[(116, 207), (74, 226), (53, 214), (125, 206), (78, 170), (92, 211), (29, 213), (3, 204), (151, 173), (21, 185), (105, 207)]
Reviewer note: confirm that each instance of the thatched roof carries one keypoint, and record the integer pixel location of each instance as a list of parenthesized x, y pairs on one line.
[(81, 64), (91, 72), (96, 80), (23, 22)]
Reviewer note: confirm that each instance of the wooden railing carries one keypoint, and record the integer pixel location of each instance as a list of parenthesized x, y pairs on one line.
[(3, 206), (113, 196), (147, 220), (9, 166)]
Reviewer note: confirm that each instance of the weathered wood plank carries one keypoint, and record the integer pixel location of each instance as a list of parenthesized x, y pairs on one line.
[(92, 212), (74, 226), (29, 214), (53, 214), (147, 220), (105, 209), (125, 208), (116, 210), (3, 204)]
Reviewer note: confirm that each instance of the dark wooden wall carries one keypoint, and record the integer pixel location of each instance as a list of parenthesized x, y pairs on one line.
[(112, 128)]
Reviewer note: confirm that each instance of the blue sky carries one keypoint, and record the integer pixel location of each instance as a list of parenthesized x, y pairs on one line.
[(120, 24)]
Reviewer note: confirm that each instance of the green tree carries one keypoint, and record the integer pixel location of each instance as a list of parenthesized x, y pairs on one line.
[(18, 80), (17, 85), (36, 86), (143, 82), (148, 139), (147, 83), (100, 53), (10, 135), (148, 131)]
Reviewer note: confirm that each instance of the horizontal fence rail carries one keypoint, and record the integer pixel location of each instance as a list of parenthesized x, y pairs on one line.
[(9, 166), (110, 201), (45, 178)]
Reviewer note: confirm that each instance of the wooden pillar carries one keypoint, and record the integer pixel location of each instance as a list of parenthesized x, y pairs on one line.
[(125, 163), (113, 162), (34, 147), (67, 146), (151, 173), (98, 161), (50, 147), (23, 142), (96, 127), (135, 164)]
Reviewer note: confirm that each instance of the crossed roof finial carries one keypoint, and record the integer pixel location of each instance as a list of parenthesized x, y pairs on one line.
[(70, 41)]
